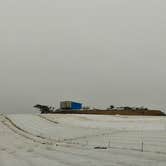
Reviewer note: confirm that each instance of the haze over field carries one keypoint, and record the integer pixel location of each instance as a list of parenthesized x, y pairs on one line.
[(99, 52)]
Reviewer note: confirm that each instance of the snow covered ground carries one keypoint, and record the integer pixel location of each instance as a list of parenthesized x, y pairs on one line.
[(59, 139)]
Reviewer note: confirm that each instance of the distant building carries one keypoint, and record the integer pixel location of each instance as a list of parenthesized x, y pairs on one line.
[(70, 105)]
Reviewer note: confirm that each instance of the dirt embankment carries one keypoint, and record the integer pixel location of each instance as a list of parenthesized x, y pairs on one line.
[(115, 112)]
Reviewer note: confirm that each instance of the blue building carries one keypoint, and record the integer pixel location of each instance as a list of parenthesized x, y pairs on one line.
[(70, 105)]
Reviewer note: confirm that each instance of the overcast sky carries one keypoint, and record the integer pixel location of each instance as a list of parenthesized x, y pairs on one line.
[(99, 52)]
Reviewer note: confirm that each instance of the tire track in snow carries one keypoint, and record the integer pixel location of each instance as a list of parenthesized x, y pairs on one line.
[(16, 129), (37, 136), (52, 121)]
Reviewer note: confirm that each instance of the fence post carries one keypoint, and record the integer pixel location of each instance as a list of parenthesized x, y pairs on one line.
[(142, 146), (109, 144)]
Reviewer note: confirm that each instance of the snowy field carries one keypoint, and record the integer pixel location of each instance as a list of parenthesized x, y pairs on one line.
[(79, 140)]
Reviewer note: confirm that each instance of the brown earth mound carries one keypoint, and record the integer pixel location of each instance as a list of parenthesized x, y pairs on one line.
[(114, 112)]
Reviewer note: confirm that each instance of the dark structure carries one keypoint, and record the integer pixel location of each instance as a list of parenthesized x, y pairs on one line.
[(70, 105)]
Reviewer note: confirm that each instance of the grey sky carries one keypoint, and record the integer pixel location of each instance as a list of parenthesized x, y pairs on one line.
[(99, 52)]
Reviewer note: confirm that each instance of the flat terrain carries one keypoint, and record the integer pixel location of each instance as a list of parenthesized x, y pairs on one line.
[(73, 140)]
